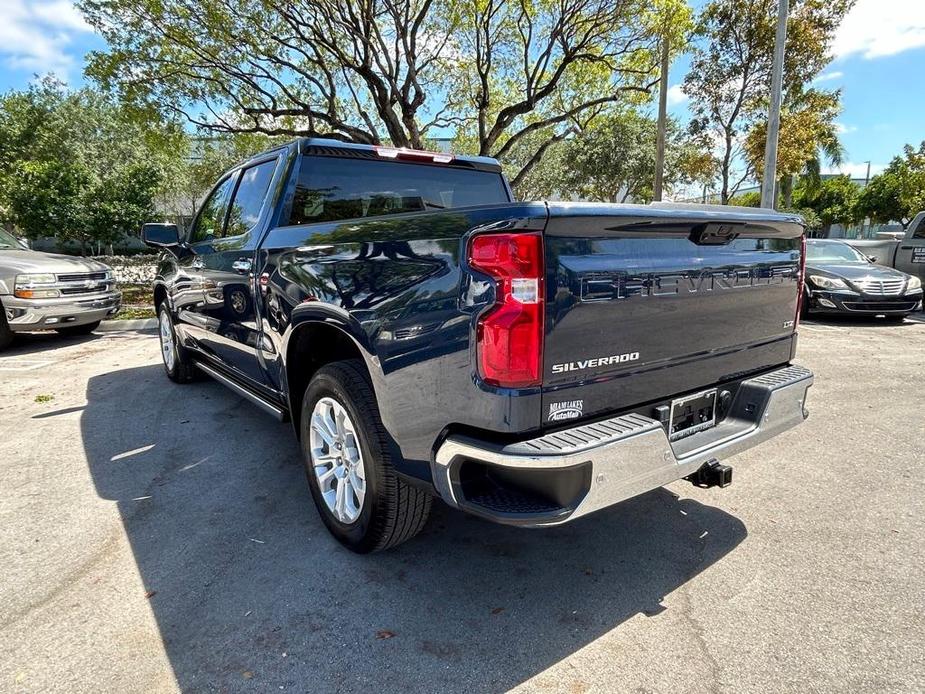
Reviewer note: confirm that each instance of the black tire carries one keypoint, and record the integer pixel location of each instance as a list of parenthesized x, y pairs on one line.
[(182, 369), (78, 329), (392, 511), (6, 335)]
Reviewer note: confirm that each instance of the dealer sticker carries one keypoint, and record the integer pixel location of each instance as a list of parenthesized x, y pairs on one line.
[(570, 409)]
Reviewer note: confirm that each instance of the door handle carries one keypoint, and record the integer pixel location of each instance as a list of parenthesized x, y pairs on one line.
[(242, 265), (196, 264)]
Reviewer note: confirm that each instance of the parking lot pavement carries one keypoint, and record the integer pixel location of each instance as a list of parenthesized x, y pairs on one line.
[(156, 537)]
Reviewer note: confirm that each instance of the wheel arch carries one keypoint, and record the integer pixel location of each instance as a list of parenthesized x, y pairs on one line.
[(160, 295), (311, 344)]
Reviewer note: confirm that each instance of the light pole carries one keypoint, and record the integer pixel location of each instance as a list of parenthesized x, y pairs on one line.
[(769, 179), (866, 222), (662, 122)]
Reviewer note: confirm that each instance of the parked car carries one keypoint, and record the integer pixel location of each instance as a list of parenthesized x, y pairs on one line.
[(840, 279), (906, 254), (45, 291), (527, 362)]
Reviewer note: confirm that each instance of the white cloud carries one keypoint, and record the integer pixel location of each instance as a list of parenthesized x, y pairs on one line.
[(34, 35), (855, 169), (61, 13), (876, 28), (829, 76), (676, 95), (843, 129)]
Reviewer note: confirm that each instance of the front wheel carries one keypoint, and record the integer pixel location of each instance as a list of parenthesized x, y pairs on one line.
[(78, 330), (6, 335), (177, 364), (361, 499)]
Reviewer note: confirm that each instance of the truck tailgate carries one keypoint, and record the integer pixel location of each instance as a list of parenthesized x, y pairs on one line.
[(648, 302)]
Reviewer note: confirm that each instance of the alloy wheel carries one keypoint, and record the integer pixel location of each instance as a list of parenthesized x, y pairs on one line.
[(168, 348), (337, 460)]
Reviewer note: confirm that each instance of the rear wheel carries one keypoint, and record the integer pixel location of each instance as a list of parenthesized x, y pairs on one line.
[(177, 363), (361, 499), (6, 335), (78, 329)]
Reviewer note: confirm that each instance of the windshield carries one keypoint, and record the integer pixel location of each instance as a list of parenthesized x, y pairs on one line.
[(8, 242), (833, 253)]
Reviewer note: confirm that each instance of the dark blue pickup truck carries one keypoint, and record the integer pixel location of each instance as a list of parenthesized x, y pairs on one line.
[(427, 335)]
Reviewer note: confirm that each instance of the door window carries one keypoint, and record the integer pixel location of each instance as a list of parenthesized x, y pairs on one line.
[(249, 197), (209, 223), (920, 230)]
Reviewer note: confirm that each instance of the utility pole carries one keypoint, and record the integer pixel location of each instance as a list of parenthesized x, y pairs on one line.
[(662, 122), (769, 180)]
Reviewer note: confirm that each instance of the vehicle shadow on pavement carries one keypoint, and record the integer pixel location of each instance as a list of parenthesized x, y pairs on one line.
[(849, 321), (26, 344), (249, 591)]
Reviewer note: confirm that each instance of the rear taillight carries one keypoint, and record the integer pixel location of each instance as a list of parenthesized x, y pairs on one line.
[(510, 334), (801, 281)]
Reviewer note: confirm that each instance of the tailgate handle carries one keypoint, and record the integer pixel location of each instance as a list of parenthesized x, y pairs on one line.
[(714, 234)]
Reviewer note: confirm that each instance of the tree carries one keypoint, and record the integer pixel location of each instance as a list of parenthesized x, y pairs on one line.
[(730, 70), (197, 165), (380, 70), (75, 166), (808, 134), (834, 200), (897, 194), (614, 159)]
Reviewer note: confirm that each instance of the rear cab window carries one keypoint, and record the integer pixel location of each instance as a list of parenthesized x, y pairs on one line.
[(331, 189)]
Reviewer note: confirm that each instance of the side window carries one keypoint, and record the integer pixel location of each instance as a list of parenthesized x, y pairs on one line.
[(919, 233), (208, 224), (248, 198)]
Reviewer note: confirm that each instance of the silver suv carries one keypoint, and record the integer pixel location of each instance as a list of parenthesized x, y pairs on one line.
[(45, 291)]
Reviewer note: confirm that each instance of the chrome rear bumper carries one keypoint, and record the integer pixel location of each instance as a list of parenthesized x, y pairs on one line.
[(605, 462)]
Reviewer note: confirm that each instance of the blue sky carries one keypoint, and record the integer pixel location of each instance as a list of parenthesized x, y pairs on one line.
[(879, 64)]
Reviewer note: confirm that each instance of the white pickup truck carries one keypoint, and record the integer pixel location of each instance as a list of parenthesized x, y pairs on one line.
[(906, 254)]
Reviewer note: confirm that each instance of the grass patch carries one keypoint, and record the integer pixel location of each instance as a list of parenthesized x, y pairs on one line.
[(137, 294), (127, 313), (44, 398)]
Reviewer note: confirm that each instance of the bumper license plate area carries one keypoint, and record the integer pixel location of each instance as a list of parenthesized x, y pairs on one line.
[(691, 414)]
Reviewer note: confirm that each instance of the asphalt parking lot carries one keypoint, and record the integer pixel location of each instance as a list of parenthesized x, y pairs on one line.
[(156, 537)]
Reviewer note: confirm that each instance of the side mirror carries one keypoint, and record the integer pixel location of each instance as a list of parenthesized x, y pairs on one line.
[(160, 235), (872, 258)]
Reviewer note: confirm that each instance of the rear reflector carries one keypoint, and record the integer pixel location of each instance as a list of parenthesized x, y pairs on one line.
[(510, 334)]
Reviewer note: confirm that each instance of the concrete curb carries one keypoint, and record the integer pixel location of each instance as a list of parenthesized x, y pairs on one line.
[(135, 324)]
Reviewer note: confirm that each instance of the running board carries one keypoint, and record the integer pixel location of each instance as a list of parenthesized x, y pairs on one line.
[(276, 412)]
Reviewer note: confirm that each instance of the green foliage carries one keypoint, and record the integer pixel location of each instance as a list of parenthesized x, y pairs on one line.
[(380, 71), (730, 73), (833, 200), (750, 199), (897, 194), (613, 160), (74, 166), (807, 125)]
